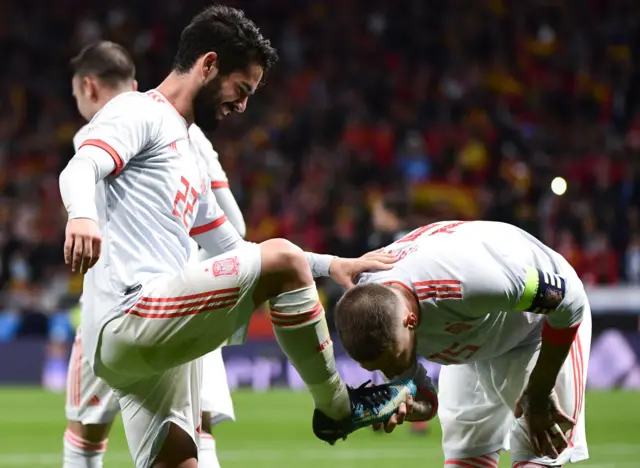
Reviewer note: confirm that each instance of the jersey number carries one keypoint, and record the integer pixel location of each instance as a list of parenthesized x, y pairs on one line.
[(431, 230), (454, 353), (181, 196)]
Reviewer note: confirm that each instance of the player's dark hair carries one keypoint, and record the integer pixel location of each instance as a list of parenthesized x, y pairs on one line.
[(365, 321), (235, 39), (107, 61)]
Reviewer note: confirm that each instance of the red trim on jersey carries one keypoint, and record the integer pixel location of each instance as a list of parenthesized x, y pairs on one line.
[(109, 149), (217, 184), (399, 283), (216, 223), (438, 289), (559, 336)]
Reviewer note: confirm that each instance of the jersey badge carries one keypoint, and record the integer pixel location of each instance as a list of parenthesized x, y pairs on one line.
[(226, 267)]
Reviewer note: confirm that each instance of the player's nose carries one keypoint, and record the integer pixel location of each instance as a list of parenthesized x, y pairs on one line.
[(242, 106)]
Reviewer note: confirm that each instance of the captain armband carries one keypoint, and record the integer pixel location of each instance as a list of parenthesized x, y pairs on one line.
[(543, 292)]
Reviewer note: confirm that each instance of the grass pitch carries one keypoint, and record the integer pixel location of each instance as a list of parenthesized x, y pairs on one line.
[(274, 431)]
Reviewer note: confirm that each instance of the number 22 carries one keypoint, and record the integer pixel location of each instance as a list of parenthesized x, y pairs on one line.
[(188, 205)]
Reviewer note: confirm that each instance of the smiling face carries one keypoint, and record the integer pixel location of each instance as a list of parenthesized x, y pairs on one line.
[(223, 94)]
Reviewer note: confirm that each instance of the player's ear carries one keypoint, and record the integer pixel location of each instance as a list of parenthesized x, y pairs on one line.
[(411, 321), (89, 88), (209, 66), (134, 85)]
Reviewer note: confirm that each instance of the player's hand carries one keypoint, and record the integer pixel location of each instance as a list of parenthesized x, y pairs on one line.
[(546, 423), (397, 418), (82, 244), (345, 270)]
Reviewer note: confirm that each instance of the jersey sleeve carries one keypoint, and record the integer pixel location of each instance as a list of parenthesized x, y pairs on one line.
[(215, 172), (79, 137), (123, 128), (478, 283), (212, 230)]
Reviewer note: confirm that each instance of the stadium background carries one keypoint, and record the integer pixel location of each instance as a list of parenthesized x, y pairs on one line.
[(433, 109)]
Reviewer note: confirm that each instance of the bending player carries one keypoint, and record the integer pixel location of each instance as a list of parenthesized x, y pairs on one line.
[(102, 71), (507, 317), (137, 183)]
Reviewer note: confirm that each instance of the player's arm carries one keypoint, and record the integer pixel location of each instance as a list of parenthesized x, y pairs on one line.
[(216, 234), (425, 404), (491, 282), (115, 135)]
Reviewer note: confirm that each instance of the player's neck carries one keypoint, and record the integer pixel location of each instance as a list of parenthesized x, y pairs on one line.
[(410, 298), (176, 89)]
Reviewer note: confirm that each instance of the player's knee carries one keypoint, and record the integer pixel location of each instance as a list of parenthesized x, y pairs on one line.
[(178, 450), (284, 268), (286, 261)]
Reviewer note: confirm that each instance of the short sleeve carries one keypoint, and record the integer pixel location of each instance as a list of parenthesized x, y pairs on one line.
[(123, 128), (79, 137), (210, 156)]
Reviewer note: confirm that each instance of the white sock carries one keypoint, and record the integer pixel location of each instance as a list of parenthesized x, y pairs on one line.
[(489, 460), (207, 456), (301, 330), (80, 453)]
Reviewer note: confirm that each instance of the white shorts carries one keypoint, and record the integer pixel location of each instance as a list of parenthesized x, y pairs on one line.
[(91, 401), (215, 396), (477, 402), (150, 355)]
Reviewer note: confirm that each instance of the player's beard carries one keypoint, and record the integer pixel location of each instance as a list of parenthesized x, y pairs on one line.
[(206, 105)]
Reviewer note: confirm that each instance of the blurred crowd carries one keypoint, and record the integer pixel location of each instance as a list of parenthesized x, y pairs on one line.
[(451, 109)]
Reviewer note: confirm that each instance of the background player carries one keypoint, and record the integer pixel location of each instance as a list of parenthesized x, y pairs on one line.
[(101, 71), (509, 311), (148, 315)]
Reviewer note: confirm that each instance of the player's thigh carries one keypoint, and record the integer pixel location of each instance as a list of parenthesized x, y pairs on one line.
[(472, 418), (570, 390), (215, 395), (150, 405), (90, 400), (178, 319)]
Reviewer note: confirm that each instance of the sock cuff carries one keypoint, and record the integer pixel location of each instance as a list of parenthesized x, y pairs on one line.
[(297, 308), (84, 445)]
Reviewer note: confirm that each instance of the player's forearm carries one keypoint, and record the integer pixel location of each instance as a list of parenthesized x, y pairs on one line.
[(231, 209), (78, 181), (320, 264), (77, 189), (553, 353)]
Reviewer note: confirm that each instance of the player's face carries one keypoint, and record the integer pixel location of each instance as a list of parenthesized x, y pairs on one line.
[(225, 94), (401, 354)]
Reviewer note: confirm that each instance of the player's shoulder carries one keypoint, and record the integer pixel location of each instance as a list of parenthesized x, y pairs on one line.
[(80, 136), (203, 143), (130, 104)]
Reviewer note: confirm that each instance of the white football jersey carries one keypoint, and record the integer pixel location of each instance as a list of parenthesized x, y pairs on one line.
[(147, 212), (473, 283), (217, 176)]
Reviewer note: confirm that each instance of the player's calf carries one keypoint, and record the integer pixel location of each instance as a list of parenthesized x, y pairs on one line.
[(299, 322), (489, 460), (84, 445)]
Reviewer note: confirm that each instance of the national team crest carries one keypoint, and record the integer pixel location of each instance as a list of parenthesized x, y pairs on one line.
[(226, 267)]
